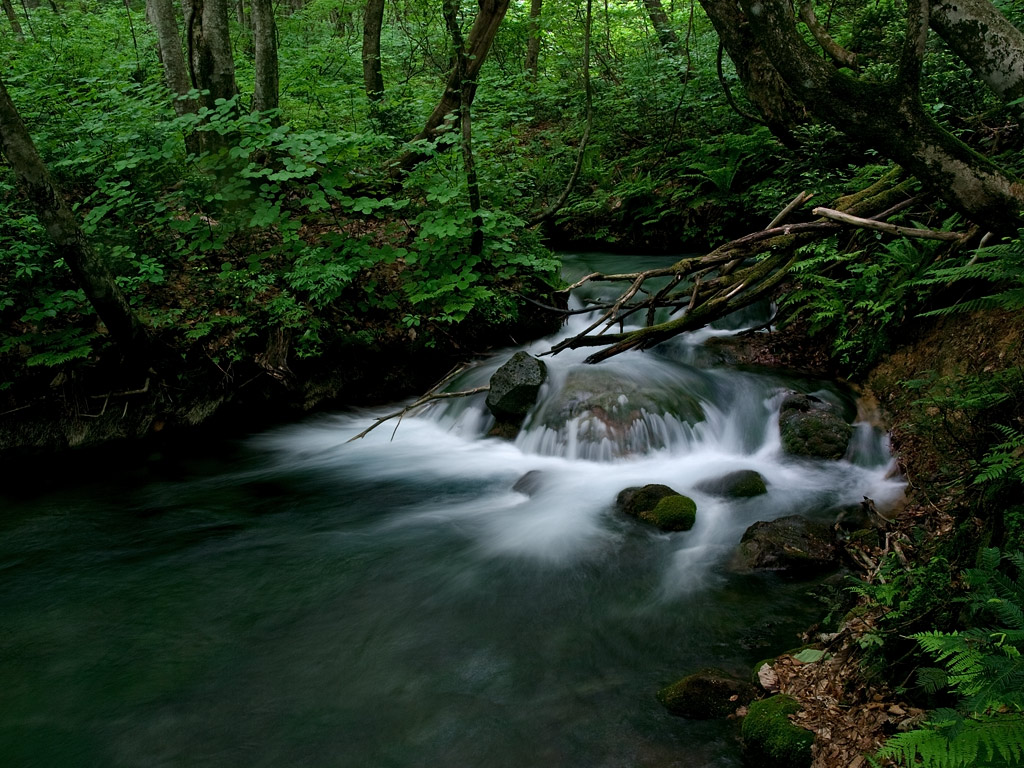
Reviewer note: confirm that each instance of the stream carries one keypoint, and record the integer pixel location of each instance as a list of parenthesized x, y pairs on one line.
[(293, 599)]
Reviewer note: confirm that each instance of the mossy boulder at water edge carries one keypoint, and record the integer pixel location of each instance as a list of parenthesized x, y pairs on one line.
[(793, 544), (660, 506), (707, 694), (741, 484), (771, 739), (813, 428)]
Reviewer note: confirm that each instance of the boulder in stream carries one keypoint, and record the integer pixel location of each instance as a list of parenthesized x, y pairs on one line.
[(771, 739), (813, 428), (513, 392), (707, 694), (659, 506), (793, 544), (741, 484)]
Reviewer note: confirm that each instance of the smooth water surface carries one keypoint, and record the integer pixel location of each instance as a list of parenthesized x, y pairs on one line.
[(297, 600)]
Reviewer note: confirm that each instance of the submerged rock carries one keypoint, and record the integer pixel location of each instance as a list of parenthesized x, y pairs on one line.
[(794, 544), (740, 484), (659, 506), (707, 694), (771, 739), (530, 483), (813, 428), (614, 412), (513, 392)]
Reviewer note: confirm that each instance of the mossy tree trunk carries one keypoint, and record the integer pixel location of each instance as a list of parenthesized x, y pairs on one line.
[(886, 116), (986, 41), (88, 269), (763, 85)]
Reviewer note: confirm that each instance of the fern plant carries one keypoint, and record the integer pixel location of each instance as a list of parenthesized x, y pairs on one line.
[(984, 667)]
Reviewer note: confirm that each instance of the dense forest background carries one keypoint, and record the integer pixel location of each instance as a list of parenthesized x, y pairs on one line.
[(200, 197)]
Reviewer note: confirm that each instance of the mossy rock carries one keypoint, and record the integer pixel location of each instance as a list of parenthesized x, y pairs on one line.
[(771, 739), (793, 544), (705, 695), (741, 484), (659, 506), (812, 428)]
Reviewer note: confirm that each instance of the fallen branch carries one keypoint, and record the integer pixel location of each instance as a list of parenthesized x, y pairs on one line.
[(892, 229), (429, 397)]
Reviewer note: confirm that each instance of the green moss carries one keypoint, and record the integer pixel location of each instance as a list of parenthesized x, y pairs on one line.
[(769, 737), (673, 513), (707, 694)]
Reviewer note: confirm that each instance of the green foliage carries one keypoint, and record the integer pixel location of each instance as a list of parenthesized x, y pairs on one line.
[(984, 667), (861, 297)]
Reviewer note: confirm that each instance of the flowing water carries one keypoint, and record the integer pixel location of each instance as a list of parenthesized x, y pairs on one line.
[(293, 599)]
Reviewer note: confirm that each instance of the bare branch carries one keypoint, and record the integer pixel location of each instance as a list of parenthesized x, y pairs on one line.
[(839, 54), (429, 397), (892, 229)]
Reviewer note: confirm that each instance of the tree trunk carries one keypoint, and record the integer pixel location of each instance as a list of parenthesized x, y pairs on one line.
[(478, 44), (761, 82), (88, 269), (662, 27), (373, 79), (212, 67), (986, 41), (161, 15), (240, 12), (889, 117), (476, 244), (533, 39), (12, 17), (264, 31)]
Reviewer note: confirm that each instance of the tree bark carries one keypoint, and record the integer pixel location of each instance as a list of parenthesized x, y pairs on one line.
[(762, 84), (12, 17), (662, 26), (211, 65), (889, 116), (478, 44), (88, 269), (476, 245), (161, 15), (533, 39), (264, 32), (986, 41), (373, 78)]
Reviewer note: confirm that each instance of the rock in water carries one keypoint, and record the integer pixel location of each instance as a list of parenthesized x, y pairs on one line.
[(812, 428), (707, 694), (660, 506), (792, 543), (771, 739), (740, 484), (513, 392), (514, 386)]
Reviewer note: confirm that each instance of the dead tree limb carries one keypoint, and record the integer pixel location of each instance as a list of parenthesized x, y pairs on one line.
[(892, 229), (427, 398), (708, 287)]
